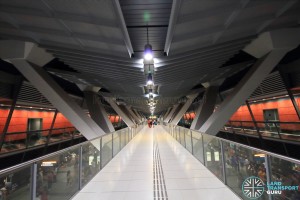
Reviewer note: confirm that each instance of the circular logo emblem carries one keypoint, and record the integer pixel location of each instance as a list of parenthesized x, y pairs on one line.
[(253, 187)]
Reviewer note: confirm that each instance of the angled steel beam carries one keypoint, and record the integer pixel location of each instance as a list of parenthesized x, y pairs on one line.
[(172, 22), (16, 91), (59, 15), (28, 58), (120, 112), (184, 108), (206, 107), (122, 24), (97, 111), (287, 84), (270, 48), (169, 116)]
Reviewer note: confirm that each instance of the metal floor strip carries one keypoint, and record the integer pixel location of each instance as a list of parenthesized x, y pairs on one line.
[(159, 185)]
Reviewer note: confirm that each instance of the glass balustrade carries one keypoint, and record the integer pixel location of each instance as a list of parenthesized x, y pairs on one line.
[(62, 174), (267, 129), (18, 141), (238, 166)]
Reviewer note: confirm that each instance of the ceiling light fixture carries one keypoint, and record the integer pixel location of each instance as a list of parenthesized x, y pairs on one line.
[(150, 92), (149, 79), (148, 54)]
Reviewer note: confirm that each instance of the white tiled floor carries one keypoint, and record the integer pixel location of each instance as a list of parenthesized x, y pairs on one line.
[(130, 173)]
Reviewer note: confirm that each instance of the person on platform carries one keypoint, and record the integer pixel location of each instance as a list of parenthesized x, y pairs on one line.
[(149, 123)]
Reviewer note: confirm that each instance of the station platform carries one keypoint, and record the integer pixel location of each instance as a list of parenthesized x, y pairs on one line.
[(155, 166)]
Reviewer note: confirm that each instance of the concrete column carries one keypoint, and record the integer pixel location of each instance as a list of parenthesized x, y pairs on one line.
[(126, 111), (270, 47), (46, 85), (134, 116), (206, 107), (171, 113), (59, 98), (184, 108), (176, 112), (97, 111), (167, 112), (138, 114), (121, 113)]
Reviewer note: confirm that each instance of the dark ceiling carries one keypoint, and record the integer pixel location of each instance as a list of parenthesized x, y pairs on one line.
[(100, 43)]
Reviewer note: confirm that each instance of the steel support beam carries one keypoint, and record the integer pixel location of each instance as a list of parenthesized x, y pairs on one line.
[(166, 114), (123, 27), (287, 84), (97, 111), (172, 22), (176, 111), (128, 113), (138, 114), (121, 113), (184, 108), (270, 47), (27, 58), (16, 91), (171, 113), (59, 98), (206, 107), (134, 116)]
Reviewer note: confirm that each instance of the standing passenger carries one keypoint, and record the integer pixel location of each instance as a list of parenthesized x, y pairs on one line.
[(149, 123)]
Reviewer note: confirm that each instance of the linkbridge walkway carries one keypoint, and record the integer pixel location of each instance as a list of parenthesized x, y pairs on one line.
[(154, 166)]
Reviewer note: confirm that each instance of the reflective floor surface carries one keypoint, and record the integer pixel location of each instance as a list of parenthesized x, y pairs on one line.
[(154, 166)]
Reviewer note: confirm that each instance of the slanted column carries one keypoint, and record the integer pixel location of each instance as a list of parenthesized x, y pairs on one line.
[(126, 111), (184, 108), (206, 107), (19, 54), (137, 114), (120, 112), (59, 98), (97, 111), (166, 114), (134, 116), (171, 113), (270, 47)]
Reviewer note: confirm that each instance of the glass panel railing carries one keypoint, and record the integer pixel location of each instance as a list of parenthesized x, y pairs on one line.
[(198, 146), (123, 138), (188, 141), (213, 155), (62, 174), (116, 142), (287, 174), (106, 149), (58, 176), (177, 130), (90, 161), (17, 141), (242, 163), (249, 172), (267, 129), (182, 136), (16, 184)]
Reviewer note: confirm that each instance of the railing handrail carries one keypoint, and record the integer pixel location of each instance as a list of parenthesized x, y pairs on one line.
[(248, 147), (33, 131), (271, 122), (24, 164)]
